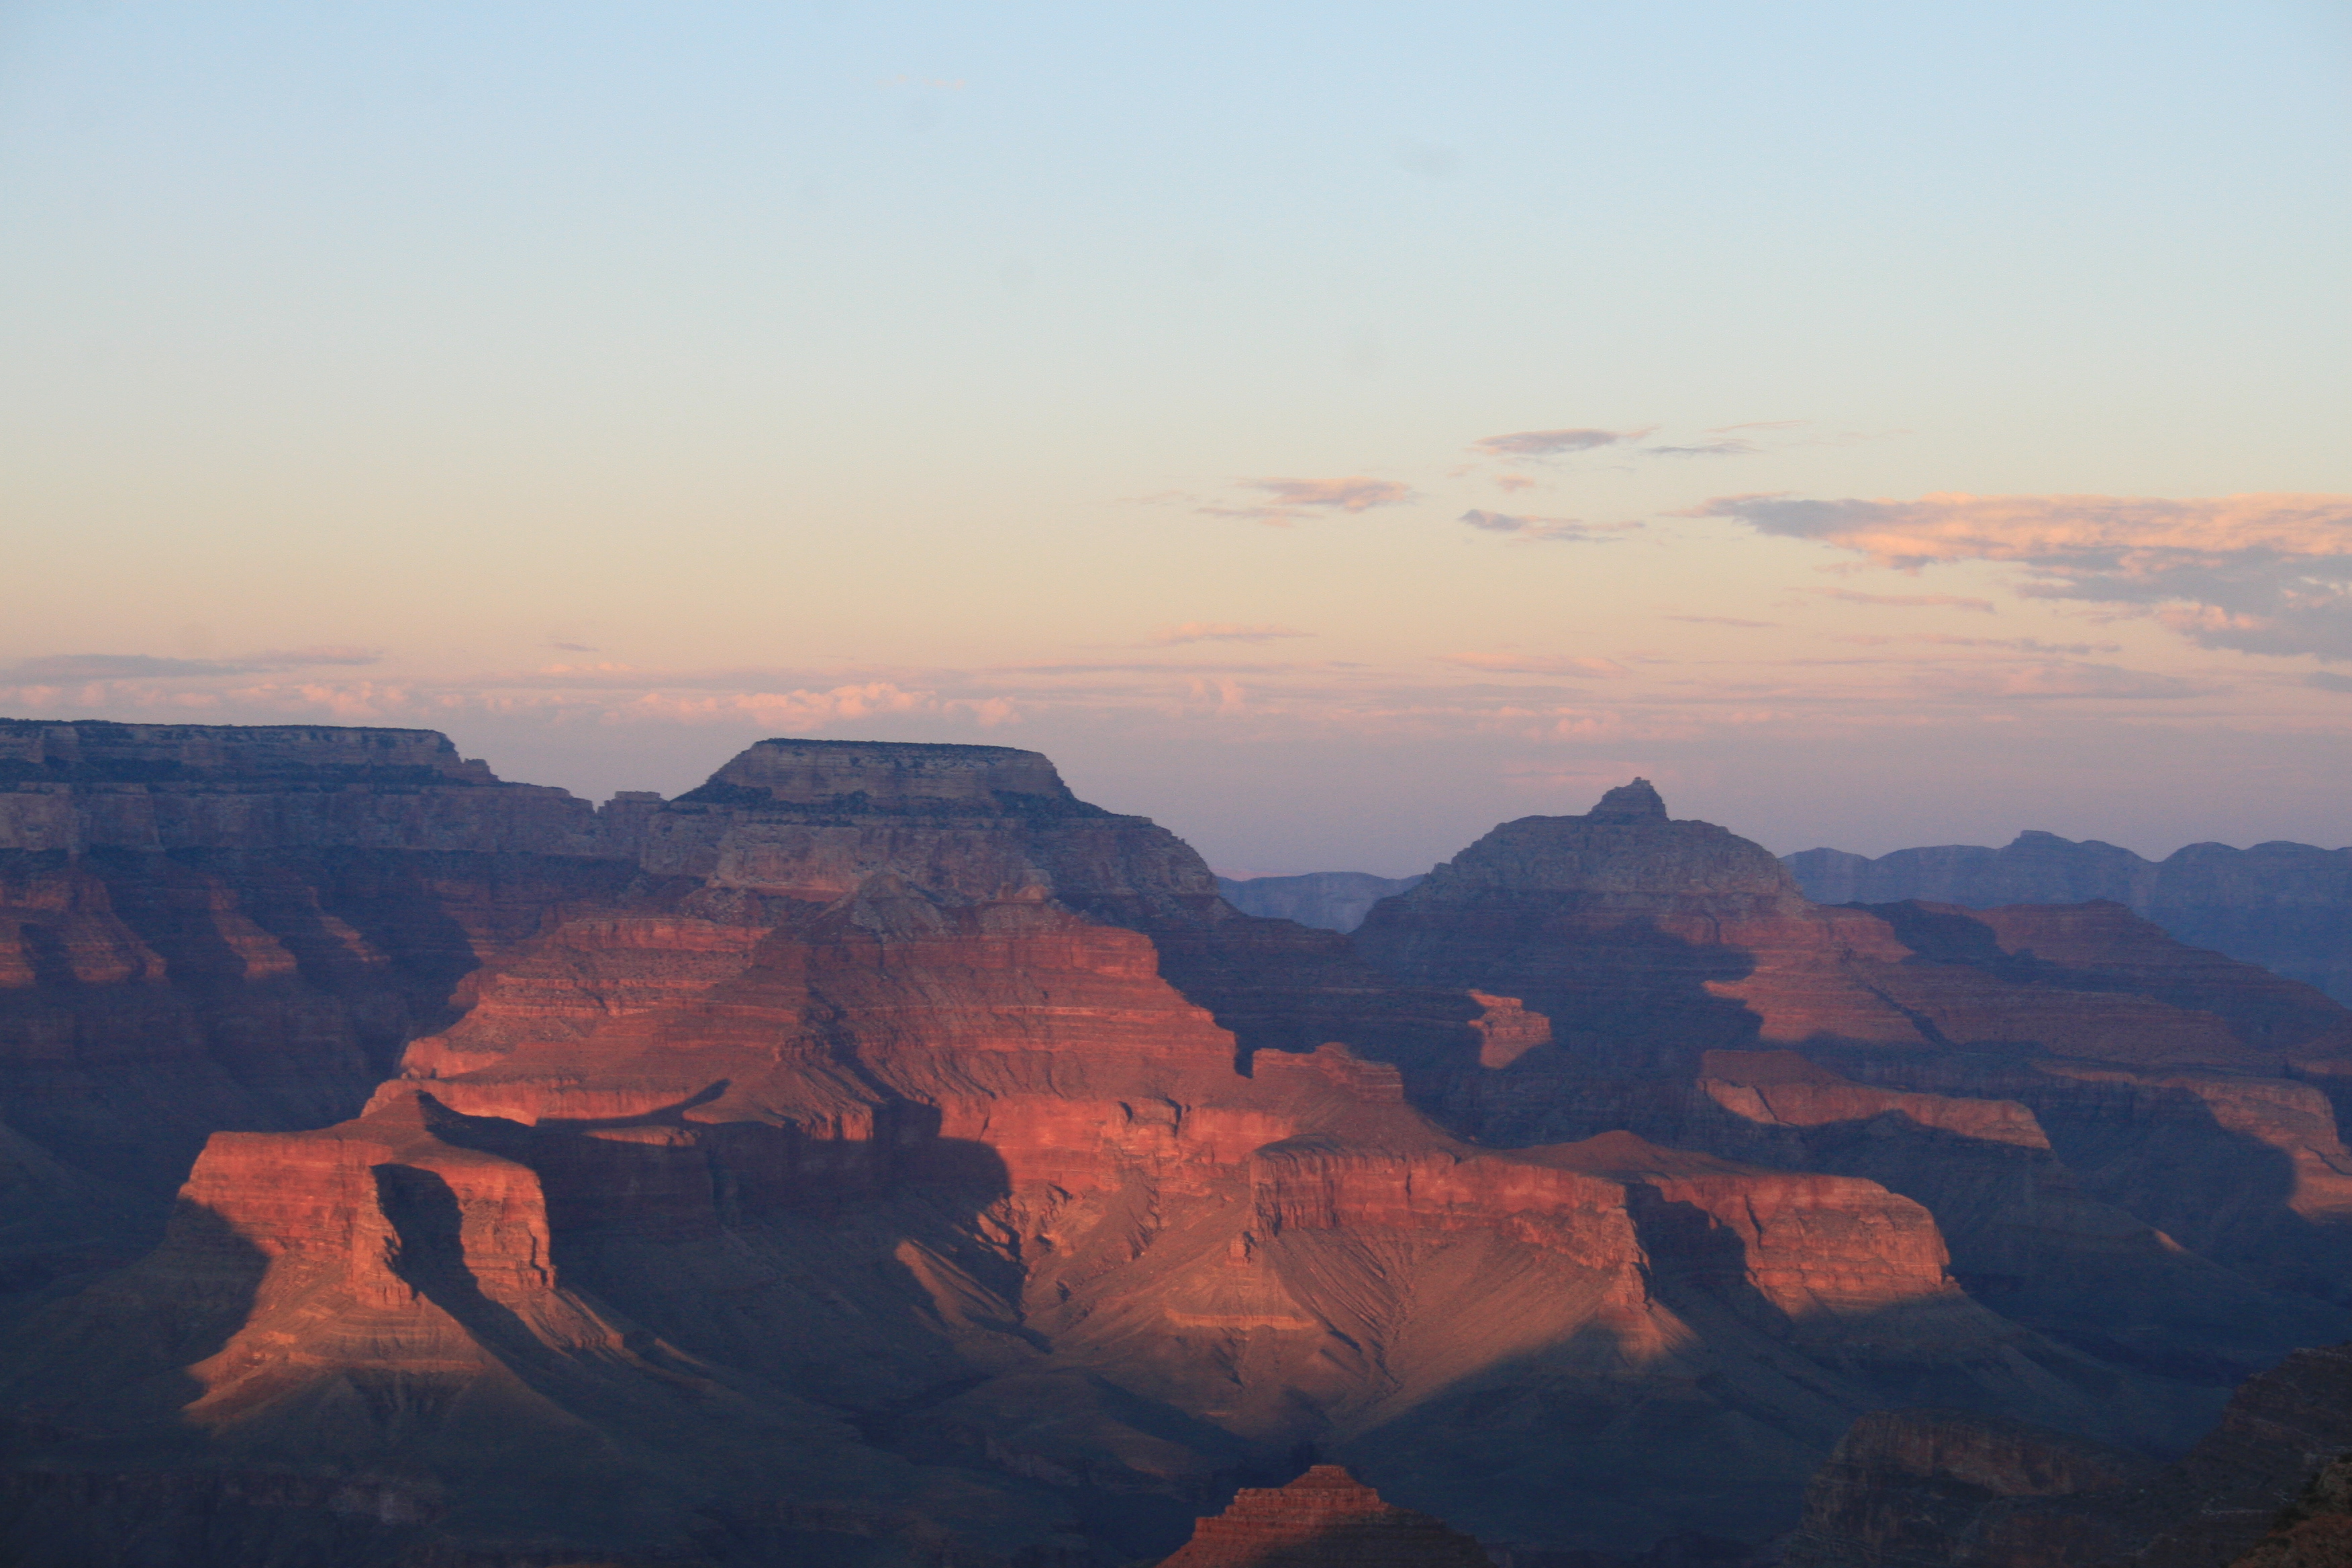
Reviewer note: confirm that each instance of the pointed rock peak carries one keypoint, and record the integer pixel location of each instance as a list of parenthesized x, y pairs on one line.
[(1635, 802), (1325, 1519), (1322, 1475)]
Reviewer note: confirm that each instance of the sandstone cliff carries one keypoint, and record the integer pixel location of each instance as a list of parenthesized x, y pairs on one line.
[(206, 928)]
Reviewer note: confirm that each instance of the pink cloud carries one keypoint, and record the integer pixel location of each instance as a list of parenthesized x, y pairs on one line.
[(1290, 499), (2052, 679), (2261, 573)]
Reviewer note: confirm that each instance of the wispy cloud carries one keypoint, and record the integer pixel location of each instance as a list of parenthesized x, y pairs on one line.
[(70, 666), (2019, 645), (2258, 573), (2327, 681), (1535, 664), (2068, 679), (1287, 499), (1720, 620), (1904, 601), (1222, 631), (1553, 443), (1563, 530), (1722, 446)]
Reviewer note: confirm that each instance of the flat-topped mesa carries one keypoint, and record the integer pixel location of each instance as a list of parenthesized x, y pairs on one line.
[(871, 778), (85, 784), (1625, 855), (813, 820), (90, 751), (1325, 1519)]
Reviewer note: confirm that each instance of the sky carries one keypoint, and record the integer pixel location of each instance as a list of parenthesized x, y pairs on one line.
[(1328, 430)]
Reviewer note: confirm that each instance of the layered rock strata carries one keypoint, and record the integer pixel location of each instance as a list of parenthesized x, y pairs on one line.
[(2168, 1110), (879, 1154), (1325, 1519), (206, 928)]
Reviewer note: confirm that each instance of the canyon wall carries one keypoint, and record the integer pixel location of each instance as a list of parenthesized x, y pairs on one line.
[(205, 928), (878, 1155)]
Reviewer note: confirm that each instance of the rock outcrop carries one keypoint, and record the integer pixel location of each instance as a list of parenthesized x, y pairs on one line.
[(204, 927), (1325, 1519), (2313, 1531), (1932, 1488), (1918, 1487), (2287, 907)]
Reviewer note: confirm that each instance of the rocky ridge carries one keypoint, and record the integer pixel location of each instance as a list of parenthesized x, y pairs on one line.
[(2287, 907)]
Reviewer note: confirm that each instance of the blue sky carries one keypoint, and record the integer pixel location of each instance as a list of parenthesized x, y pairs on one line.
[(610, 385)]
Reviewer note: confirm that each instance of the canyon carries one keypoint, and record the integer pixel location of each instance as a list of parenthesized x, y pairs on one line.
[(877, 1155), (1328, 900)]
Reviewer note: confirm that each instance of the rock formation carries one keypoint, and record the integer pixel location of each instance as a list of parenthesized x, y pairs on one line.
[(1328, 900), (206, 928), (1931, 1488), (2313, 1531), (879, 1155), (1950, 1487), (1325, 1519), (2287, 907)]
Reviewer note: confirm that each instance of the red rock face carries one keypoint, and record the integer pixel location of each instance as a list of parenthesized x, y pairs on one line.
[(1325, 1519), (206, 928), (899, 1156), (2175, 1088)]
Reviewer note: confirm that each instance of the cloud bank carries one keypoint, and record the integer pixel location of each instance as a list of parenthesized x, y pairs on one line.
[(2256, 573)]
